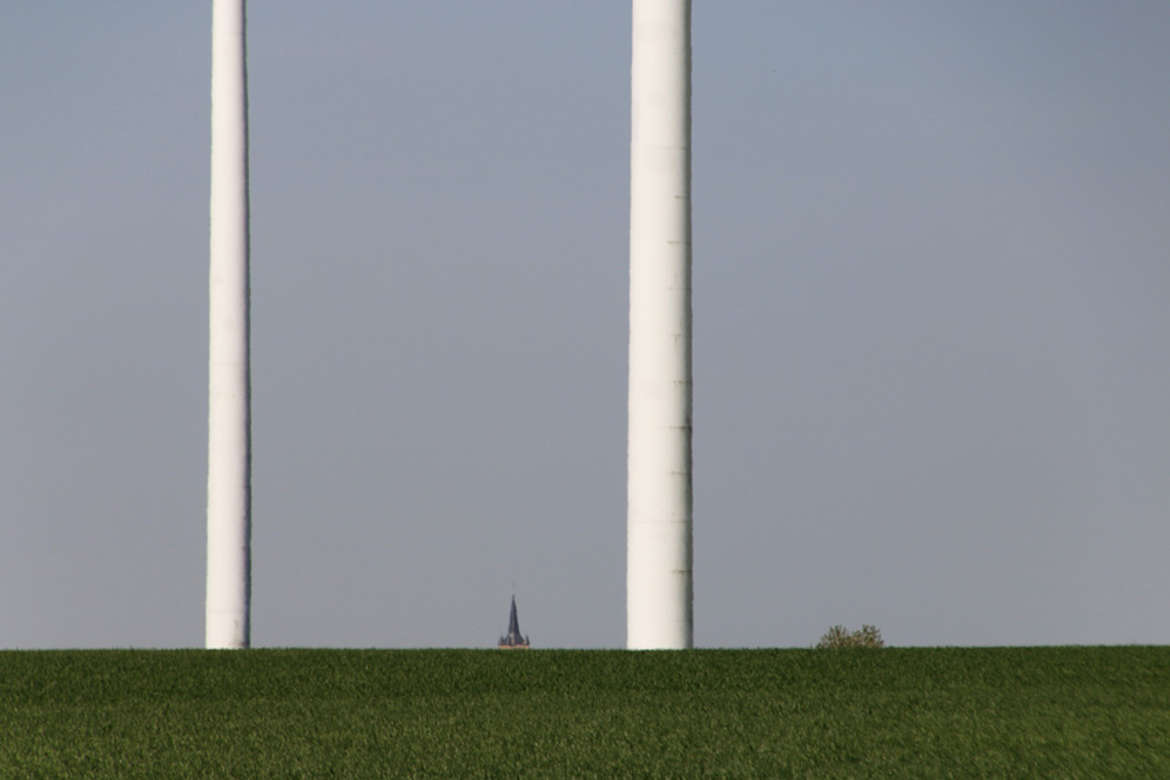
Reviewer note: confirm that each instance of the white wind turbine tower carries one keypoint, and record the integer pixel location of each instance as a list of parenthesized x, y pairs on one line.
[(229, 461), (659, 585)]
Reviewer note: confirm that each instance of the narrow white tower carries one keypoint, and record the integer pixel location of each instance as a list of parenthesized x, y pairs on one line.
[(659, 587), (229, 461)]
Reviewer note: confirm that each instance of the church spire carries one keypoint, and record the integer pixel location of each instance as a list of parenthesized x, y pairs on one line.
[(514, 639)]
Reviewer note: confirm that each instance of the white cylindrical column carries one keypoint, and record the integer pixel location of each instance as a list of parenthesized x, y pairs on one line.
[(229, 462), (659, 585)]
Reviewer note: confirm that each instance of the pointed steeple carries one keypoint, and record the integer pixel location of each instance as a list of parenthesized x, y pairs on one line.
[(513, 620), (513, 639)]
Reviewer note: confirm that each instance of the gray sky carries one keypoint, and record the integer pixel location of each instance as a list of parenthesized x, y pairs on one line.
[(932, 268)]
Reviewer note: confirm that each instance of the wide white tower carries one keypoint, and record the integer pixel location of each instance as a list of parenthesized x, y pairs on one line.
[(659, 585), (229, 462)]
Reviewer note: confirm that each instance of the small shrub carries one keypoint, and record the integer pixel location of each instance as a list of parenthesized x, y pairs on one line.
[(840, 637)]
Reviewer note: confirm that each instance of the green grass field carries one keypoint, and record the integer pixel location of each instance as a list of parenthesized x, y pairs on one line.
[(343, 713)]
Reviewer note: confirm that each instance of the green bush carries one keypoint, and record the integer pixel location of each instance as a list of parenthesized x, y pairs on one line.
[(839, 637)]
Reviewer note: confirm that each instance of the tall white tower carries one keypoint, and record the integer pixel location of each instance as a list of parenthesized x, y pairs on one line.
[(229, 438), (659, 585)]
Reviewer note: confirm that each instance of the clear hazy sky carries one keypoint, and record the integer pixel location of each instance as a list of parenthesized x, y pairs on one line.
[(931, 288)]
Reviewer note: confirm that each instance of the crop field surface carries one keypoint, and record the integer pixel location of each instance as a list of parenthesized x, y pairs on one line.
[(1061, 711)]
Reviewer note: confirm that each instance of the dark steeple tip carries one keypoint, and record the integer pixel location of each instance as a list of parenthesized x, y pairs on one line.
[(513, 639)]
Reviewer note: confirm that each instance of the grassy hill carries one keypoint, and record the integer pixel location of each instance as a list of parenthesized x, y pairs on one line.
[(1081, 711)]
